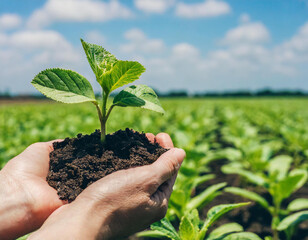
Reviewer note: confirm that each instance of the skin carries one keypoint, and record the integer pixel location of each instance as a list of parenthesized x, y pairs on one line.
[(116, 206)]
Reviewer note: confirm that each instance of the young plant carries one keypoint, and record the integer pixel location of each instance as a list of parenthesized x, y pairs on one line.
[(280, 182), (192, 228), (70, 87)]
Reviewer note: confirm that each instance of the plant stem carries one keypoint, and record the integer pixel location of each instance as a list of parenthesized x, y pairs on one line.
[(109, 111), (104, 117), (277, 204), (101, 119)]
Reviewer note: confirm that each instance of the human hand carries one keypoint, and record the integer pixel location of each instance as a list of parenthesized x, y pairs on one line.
[(119, 204), (25, 196)]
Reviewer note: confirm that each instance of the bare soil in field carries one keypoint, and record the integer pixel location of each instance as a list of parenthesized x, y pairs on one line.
[(253, 217), (76, 163)]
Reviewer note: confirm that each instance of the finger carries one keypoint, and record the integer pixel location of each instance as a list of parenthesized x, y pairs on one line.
[(164, 140), (151, 137), (166, 166)]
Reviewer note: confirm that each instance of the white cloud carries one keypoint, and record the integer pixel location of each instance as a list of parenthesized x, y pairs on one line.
[(139, 43), (254, 32), (156, 6), (185, 51), (9, 21), (77, 11), (29, 40), (247, 63), (295, 49), (208, 8), (23, 54), (244, 18)]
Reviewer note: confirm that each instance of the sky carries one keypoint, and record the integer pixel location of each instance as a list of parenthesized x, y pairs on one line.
[(196, 45)]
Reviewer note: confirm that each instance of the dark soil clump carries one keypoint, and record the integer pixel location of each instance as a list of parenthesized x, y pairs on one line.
[(76, 163)]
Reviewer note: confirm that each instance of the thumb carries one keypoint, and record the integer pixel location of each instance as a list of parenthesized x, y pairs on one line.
[(167, 165)]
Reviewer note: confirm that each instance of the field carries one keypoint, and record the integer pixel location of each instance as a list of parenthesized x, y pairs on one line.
[(238, 150)]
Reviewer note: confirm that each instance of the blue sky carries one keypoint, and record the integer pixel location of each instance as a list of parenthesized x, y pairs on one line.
[(197, 45)]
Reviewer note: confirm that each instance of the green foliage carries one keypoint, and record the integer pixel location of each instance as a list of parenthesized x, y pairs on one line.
[(224, 230), (138, 96), (249, 195), (122, 73), (70, 87), (190, 229), (64, 86), (292, 220), (246, 133), (100, 60), (298, 204)]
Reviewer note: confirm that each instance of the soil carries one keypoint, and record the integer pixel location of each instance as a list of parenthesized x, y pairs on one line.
[(76, 163)]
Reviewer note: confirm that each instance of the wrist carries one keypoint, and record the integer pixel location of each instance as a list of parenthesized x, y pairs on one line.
[(15, 210)]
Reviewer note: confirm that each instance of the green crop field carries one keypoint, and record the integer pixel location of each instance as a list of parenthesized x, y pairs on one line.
[(238, 150)]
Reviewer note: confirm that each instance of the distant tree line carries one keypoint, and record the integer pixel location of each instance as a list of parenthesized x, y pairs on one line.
[(183, 94), (260, 93)]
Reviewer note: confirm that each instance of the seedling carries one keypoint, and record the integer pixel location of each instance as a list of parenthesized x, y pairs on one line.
[(280, 182), (68, 86), (192, 228)]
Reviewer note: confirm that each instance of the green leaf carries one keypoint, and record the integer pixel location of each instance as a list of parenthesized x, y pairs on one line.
[(287, 186), (293, 220), (242, 236), (279, 166), (216, 212), (64, 86), (100, 60), (166, 228), (187, 230), (138, 96), (225, 229), (252, 177), (247, 194), (122, 73), (304, 174), (298, 204), (207, 195), (151, 233)]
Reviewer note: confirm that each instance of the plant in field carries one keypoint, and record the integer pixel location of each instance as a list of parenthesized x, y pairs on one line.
[(192, 228), (70, 87), (181, 201), (280, 182)]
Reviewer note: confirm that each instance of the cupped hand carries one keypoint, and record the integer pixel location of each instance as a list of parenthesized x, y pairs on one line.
[(121, 203), (28, 198)]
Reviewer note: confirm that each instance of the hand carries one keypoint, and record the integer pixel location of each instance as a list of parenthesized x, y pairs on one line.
[(119, 204), (25, 196)]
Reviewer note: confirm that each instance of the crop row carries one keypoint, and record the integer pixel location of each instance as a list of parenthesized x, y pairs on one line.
[(237, 151)]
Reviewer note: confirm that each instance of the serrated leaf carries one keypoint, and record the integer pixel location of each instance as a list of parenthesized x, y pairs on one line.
[(122, 73), (298, 204), (216, 212), (166, 228), (100, 60), (204, 197), (292, 220), (242, 236), (279, 166), (247, 194), (224, 230), (138, 96), (64, 86)]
